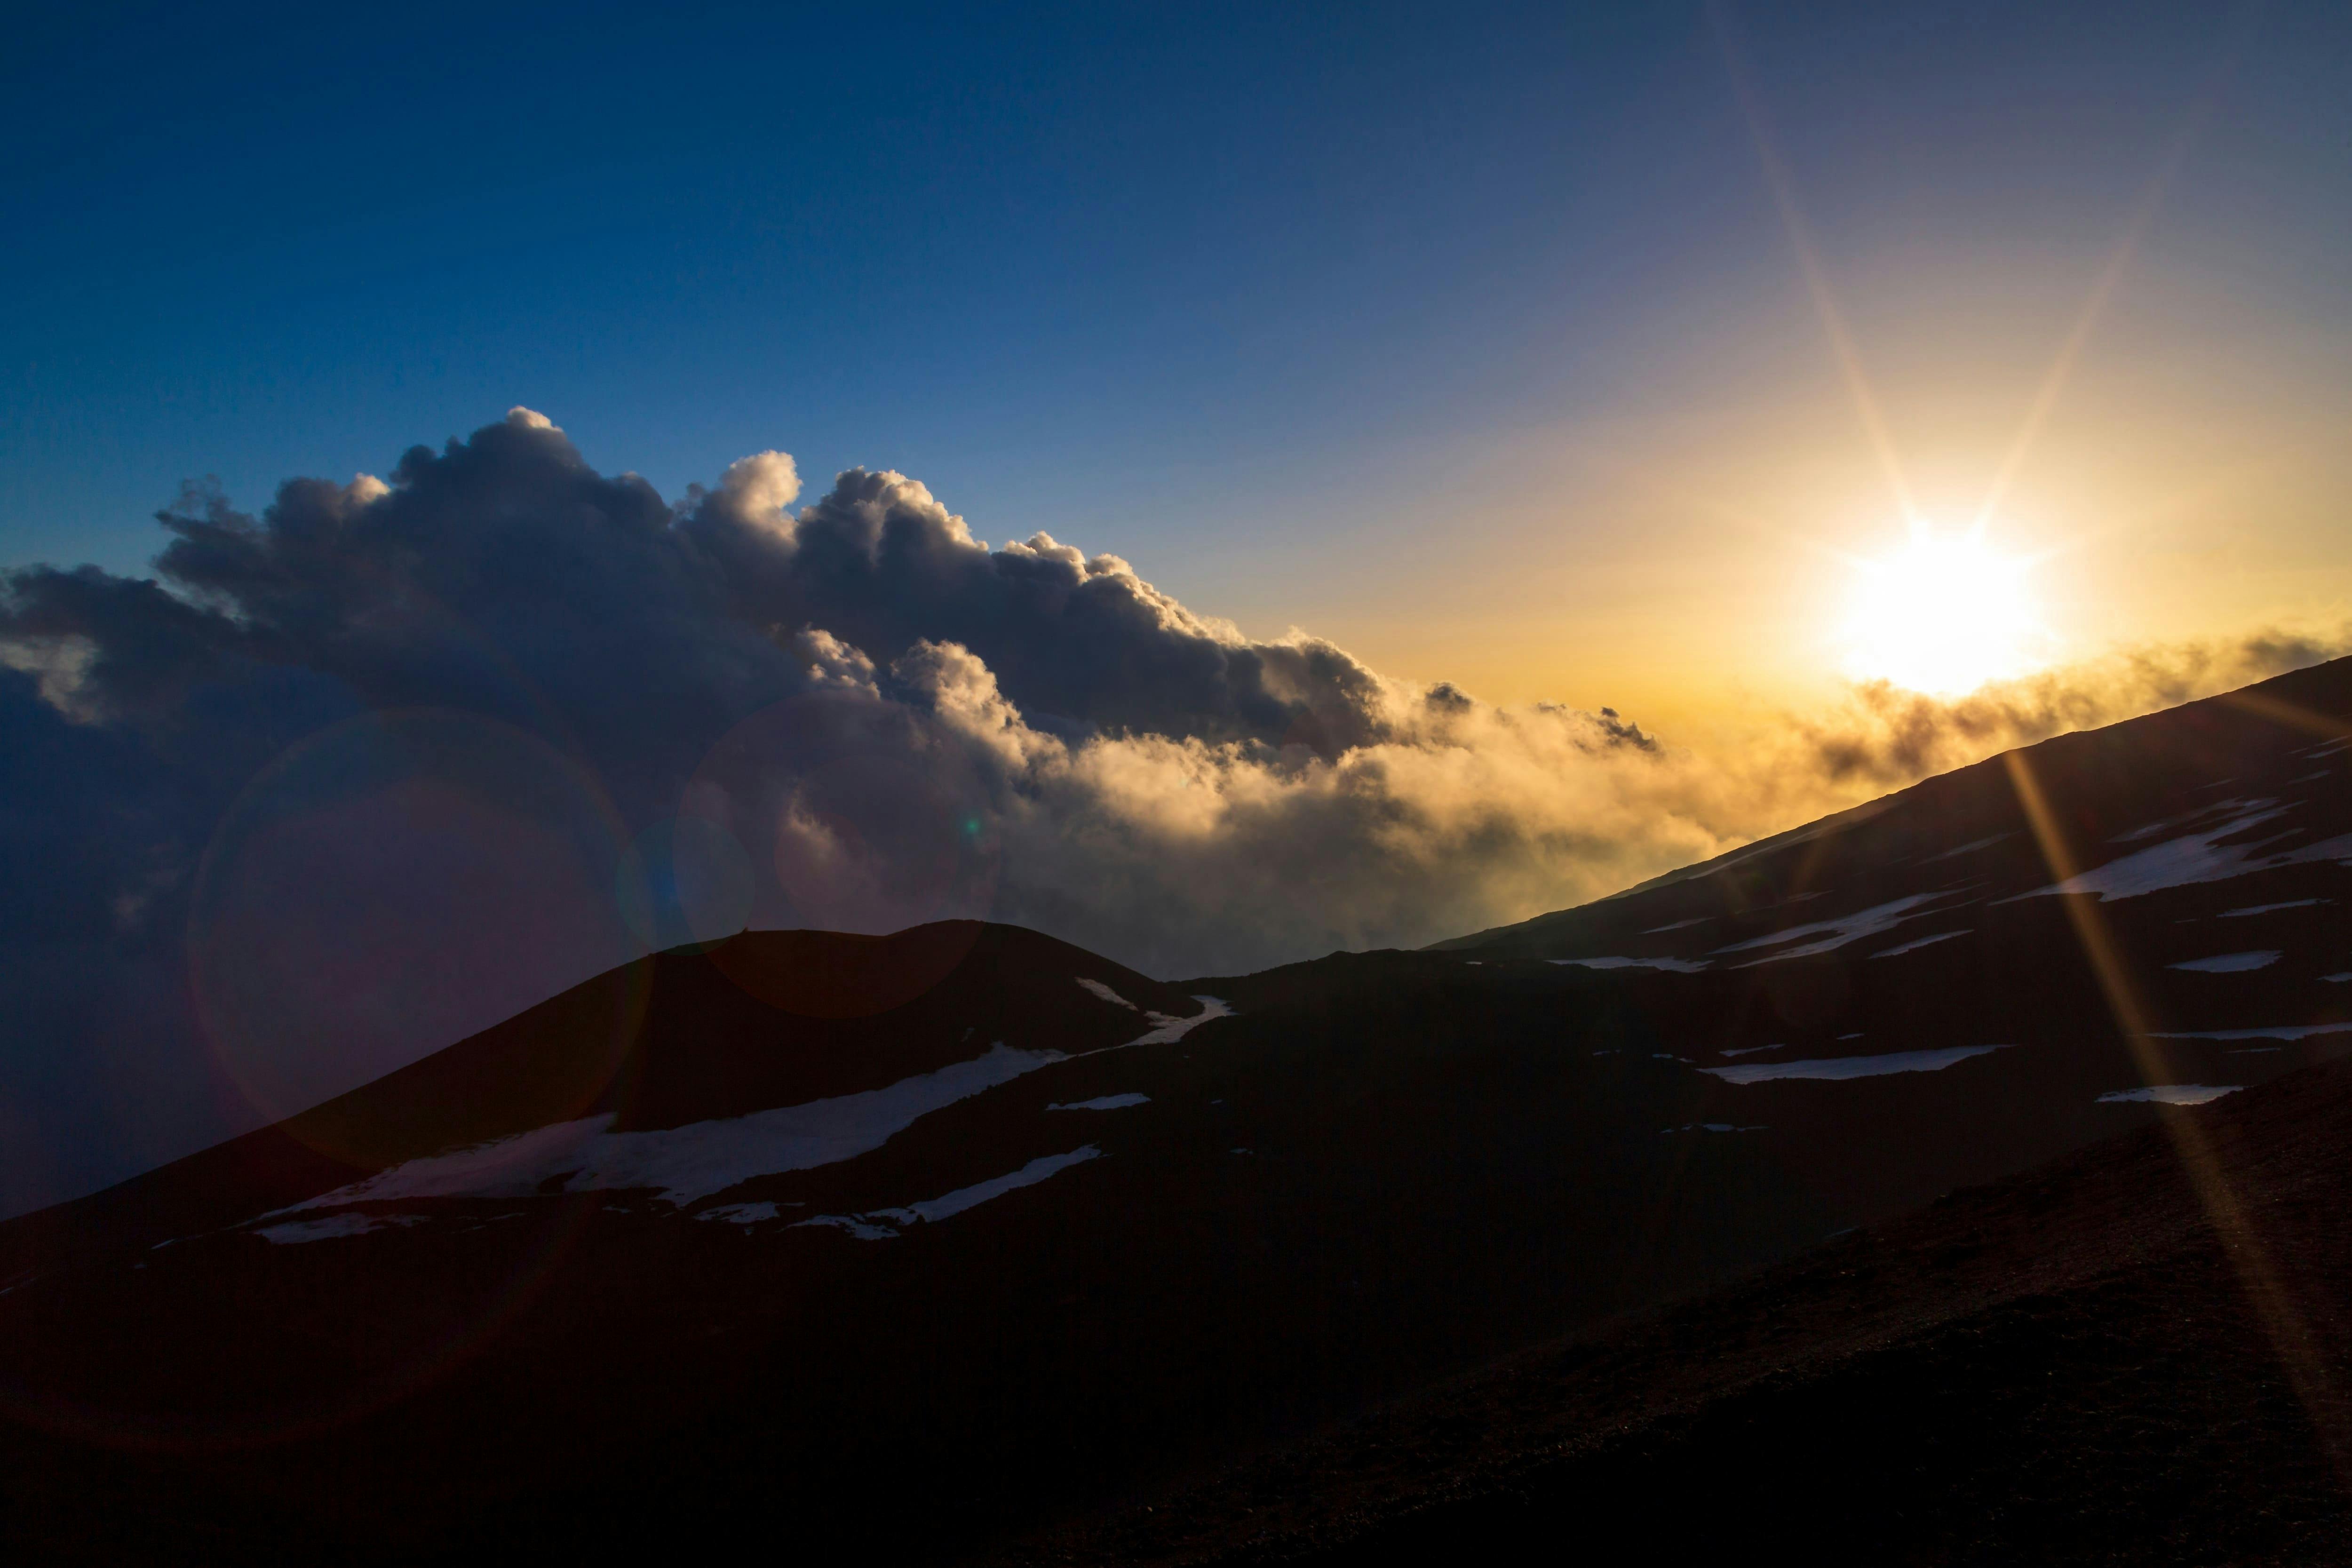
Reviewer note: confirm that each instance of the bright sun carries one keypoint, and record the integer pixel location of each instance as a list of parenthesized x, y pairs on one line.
[(1945, 616)]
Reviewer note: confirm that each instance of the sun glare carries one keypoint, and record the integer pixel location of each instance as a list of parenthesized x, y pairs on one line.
[(1945, 616)]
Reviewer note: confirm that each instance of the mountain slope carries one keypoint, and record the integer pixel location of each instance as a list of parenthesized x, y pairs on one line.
[(921, 1242), (680, 1038), (2122, 1357), (1140, 1239)]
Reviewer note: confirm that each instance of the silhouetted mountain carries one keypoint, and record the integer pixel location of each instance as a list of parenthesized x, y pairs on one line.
[(903, 1247)]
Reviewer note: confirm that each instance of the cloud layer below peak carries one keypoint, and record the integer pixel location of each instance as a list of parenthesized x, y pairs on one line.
[(396, 758)]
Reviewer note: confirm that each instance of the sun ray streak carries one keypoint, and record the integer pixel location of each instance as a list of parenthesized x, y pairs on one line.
[(2289, 715), (2087, 320), (1783, 185), (2281, 1317)]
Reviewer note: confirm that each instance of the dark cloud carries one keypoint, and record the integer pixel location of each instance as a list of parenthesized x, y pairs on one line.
[(390, 760), (882, 565)]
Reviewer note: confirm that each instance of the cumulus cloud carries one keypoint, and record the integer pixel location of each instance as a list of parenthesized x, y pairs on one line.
[(396, 758)]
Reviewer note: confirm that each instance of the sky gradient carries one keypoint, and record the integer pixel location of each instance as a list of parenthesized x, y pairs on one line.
[(1215, 485), (1472, 339)]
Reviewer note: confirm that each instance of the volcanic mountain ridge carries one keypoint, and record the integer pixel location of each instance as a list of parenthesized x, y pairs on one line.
[(924, 1243)]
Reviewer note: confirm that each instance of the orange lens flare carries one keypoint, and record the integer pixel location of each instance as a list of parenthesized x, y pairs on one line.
[(2281, 1317)]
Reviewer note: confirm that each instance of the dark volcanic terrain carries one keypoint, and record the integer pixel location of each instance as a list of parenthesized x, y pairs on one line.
[(2103, 1360), (907, 1247)]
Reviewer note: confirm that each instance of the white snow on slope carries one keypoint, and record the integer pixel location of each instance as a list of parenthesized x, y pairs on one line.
[(1167, 1031), (2197, 857), (1679, 966), (2338, 979), (1106, 1102), (301, 1230), (2227, 963), (1924, 942), (1833, 934), (2275, 1032), (684, 1163), (871, 1225), (1852, 1067), (1680, 925), (1106, 993), (853, 1225), (2169, 824), (2171, 1093), (1970, 847), (2273, 909), (741, 1214)]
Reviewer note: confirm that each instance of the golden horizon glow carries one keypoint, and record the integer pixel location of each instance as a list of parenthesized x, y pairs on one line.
[(1945, 616)]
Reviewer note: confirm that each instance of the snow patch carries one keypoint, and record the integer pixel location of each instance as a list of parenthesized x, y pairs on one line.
[(685, 1163), (2276, 1032), (1834, 933), (2228, 963), (1680, 925), (1970, 847), (1923, 942), (741, 1214), (853, 1225), (1751, 1050), (1167, 1031), (1107, 1102), (2208, 810), (2194, 858), (881, 1224), (2170, 1094), (979, 1193), (2271, 909), (1108, 994), (1854, 1067), (1679, 966), (295, 1232)]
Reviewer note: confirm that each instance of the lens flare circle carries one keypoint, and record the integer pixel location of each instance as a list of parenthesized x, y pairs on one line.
[(1945, 616), (388, 887)]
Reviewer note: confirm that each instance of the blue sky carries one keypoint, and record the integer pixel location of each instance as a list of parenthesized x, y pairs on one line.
[(1259, 296)]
